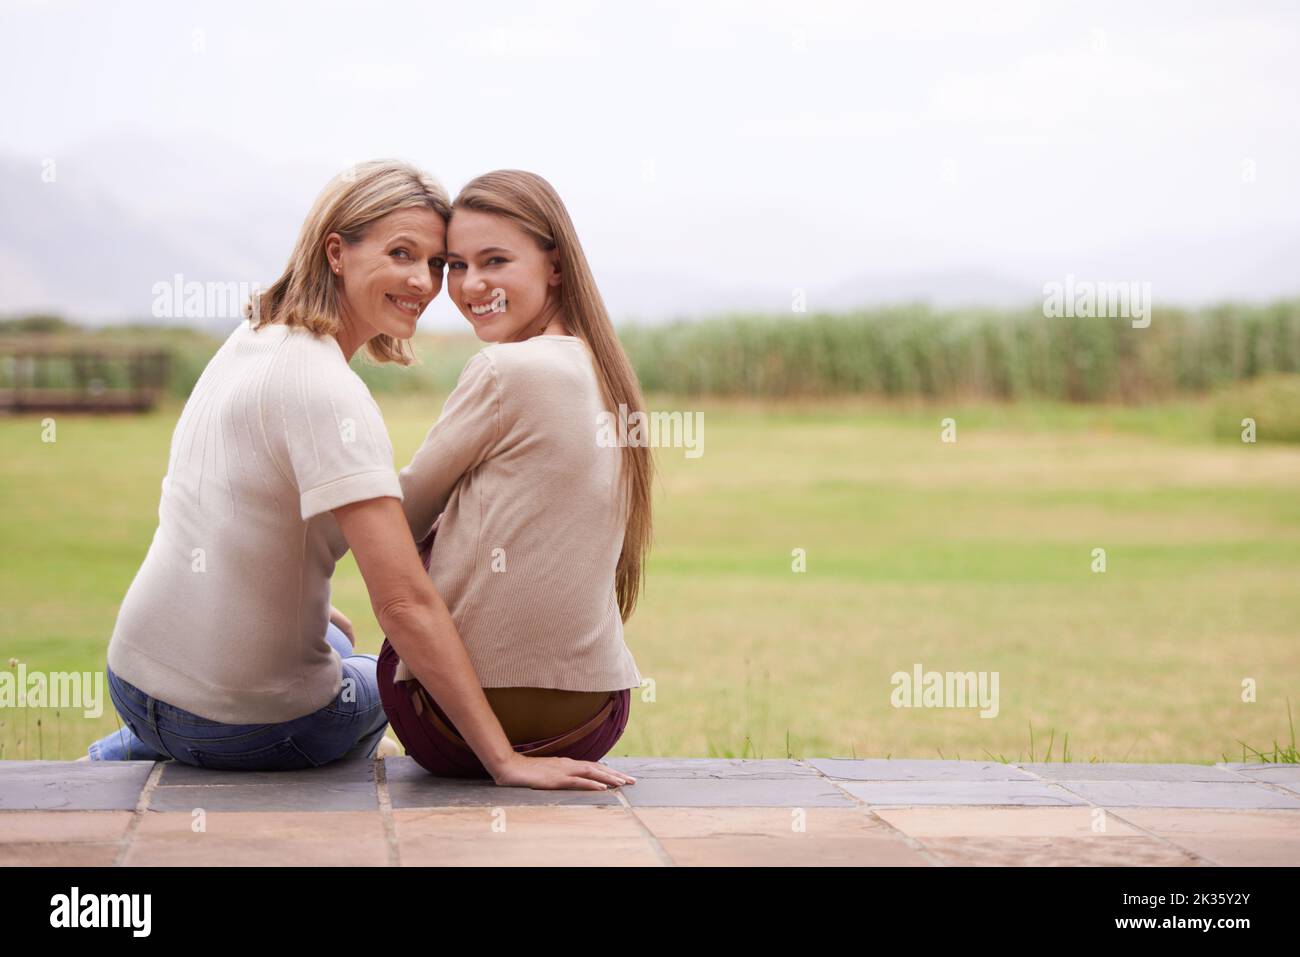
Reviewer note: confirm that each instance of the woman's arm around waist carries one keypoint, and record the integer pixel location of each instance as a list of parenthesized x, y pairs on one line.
[(419, 627)]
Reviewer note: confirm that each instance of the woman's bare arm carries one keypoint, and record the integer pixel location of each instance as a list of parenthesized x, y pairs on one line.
[(419, 627)]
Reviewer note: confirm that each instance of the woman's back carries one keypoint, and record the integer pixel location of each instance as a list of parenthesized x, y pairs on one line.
[(532, 522), (226, 616)]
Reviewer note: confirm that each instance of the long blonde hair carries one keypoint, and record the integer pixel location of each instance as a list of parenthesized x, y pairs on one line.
[(530, 202), (307, 293)]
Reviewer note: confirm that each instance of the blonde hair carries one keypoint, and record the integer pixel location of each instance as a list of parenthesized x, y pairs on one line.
[(530, 202), (307, 294)]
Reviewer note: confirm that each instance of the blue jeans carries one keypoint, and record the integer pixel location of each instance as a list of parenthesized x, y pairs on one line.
[(156, 731)]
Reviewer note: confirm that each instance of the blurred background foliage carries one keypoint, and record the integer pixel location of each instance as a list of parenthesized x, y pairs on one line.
[(1247, 355)]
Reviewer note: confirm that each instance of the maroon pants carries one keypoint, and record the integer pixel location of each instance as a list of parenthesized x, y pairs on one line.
[(431, 738)]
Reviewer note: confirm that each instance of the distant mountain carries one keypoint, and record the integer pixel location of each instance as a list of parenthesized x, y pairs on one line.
[(127, 211), (69, 247)]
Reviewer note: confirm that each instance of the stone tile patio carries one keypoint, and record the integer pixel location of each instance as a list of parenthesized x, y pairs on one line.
[(681, 811)]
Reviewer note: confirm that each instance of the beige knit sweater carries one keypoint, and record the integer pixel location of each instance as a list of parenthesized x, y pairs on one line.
[(532, 519), (226, 616)]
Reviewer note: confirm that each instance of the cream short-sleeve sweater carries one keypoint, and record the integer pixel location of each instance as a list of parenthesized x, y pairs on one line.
[(226, 617), (530, 519)]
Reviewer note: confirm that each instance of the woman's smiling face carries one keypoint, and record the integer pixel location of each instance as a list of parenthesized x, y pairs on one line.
[(499, 277), (392, 274)]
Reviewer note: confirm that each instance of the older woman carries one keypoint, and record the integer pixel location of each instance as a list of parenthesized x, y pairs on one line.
[(224, 655)]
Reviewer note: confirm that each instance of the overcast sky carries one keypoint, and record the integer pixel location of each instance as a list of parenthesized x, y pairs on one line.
[(735, 148)]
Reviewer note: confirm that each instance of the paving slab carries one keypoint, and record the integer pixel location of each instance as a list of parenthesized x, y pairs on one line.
[(1101, 771), (681, 812), (61, 838), (777, 837), (71, 785), (1032, 836), (354, 770), (1226, 838), (1057, 852), (67, 854), (1281, 775), (1206, 794), (342, 786), (572, 852), (878, 769), (730, 768), (264, 838), (410, 786), (17, 827), (521, 836), (994, 822), (741, 792), (959, 792)]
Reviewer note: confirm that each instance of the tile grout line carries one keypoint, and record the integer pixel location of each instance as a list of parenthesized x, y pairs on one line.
[(912, 842), (660, 851), (386, 813), (1277, 788), (137, 816), (1159, 838), (1201, 859), (1281, 789), (1244, 780)]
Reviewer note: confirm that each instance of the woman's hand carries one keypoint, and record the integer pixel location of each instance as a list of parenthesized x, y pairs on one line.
[(556, 773), (343, 624), (418, 625)]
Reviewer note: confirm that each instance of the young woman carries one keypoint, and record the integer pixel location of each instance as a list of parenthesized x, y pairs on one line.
[(536, 532), (223, 654)]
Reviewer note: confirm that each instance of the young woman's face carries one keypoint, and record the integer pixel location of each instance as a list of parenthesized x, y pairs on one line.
[(499, 277), (391, 276)]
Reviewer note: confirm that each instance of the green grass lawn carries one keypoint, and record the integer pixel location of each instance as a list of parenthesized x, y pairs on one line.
[(966, 556)]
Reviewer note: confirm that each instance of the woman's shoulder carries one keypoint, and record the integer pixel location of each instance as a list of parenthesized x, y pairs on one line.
[(304, 342), (537, 360), (310, 366), (320, 351)]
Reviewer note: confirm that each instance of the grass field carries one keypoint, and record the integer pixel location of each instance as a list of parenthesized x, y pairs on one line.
[(974, 555)]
